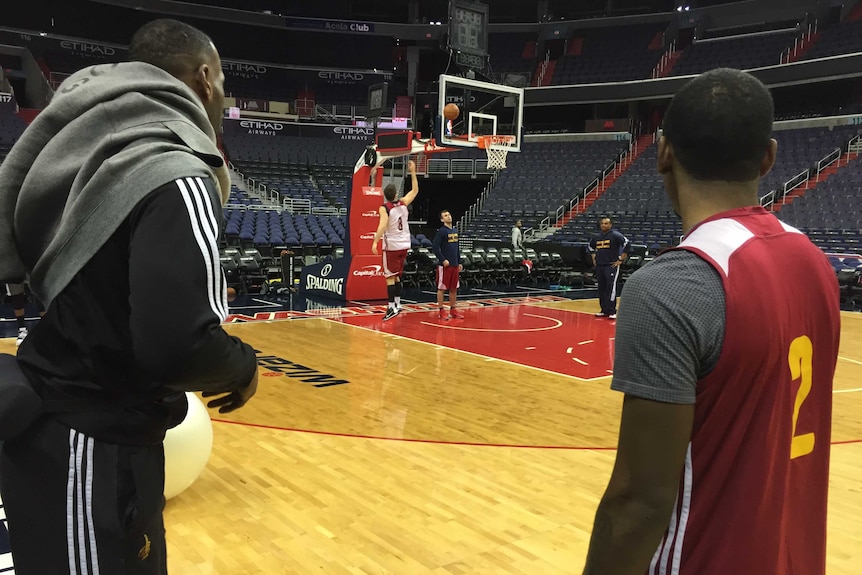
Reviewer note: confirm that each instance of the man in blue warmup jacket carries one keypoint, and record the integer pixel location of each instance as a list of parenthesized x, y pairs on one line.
[(608, 250)]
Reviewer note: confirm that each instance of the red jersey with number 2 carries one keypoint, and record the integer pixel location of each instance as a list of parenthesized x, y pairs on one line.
[(752, 498)]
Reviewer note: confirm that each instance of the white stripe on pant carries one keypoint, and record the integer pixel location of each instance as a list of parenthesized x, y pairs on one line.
[(614, 283), (79, 506)]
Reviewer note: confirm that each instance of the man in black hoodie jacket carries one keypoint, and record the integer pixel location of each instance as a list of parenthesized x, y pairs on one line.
[(123, 173)]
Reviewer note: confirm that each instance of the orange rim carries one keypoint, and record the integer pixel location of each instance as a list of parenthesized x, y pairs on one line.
[(486, 141)]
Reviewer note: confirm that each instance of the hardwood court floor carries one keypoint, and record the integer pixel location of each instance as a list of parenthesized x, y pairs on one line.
[(366, 451)]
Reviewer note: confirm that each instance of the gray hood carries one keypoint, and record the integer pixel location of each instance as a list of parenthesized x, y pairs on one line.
[(111, 135)]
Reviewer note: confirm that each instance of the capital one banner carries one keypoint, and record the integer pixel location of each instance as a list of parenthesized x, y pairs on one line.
[(363, 218)]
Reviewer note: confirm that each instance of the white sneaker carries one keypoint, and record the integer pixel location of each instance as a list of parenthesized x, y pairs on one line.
[(612, 316), (22, 334), (600, 314)]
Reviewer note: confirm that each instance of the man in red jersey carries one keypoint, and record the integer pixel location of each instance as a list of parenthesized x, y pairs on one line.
[(726, 358), (395, 231)]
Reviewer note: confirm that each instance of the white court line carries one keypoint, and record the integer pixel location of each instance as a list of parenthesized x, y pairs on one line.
[(579, 360), (485, 357), (495, 292), (569, 350), (267, 303), (847, 390), (528, 288), (586, 342), (557, 323), (850, 360)]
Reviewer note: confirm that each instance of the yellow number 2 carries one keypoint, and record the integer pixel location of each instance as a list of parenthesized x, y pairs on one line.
[(799, 357)]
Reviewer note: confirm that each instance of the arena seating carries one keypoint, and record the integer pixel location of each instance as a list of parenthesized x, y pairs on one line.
[(11, 128), (610, 55), (264, 227), (539, 180), (513, 53), (742, 52), (641, 210), (844, 38), (831, 213), (313, 169), (801, 149), (638, 205)]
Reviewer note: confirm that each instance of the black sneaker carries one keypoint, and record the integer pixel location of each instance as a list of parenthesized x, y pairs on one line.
[(390, 313)]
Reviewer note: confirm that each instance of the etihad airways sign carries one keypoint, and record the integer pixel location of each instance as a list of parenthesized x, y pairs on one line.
[(86, 48), (268, 127), (241, 69), (261, 127)]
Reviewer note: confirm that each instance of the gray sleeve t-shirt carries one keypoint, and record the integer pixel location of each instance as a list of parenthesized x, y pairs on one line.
[(670, 329)]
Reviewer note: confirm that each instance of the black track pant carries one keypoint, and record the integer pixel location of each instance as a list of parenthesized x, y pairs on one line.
[(607, 277), (79, 506)]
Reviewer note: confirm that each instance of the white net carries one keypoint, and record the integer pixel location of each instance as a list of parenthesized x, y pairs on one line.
[(498, 151)]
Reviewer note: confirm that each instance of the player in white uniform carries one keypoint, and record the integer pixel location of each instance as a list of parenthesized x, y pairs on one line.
[(395, 232)]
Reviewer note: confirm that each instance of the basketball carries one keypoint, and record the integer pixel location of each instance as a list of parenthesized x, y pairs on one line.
[(231, 294), (451, 111)]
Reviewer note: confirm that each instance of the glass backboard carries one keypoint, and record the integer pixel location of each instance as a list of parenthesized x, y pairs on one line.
[(484, 109)]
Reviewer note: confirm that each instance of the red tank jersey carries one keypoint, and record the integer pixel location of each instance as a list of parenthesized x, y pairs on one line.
[(752, 499)]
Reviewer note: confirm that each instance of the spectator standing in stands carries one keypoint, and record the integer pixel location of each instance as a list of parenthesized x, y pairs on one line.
[(609, 250), (726, 354), (445, 246), (395, 231), (137, 198), (517, 237)]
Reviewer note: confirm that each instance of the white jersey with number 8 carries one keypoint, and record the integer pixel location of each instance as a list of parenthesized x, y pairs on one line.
[(397, 235)]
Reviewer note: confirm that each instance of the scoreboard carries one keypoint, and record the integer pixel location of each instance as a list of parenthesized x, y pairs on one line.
[(468, 27)]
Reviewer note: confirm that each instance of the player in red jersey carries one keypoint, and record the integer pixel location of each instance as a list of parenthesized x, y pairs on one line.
[(395, 231), (725, 349)]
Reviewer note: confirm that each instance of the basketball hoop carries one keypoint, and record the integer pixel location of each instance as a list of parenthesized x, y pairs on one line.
[(497, 146)]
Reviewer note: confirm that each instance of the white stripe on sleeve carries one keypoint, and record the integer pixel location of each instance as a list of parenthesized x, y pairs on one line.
[(203, 226)]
